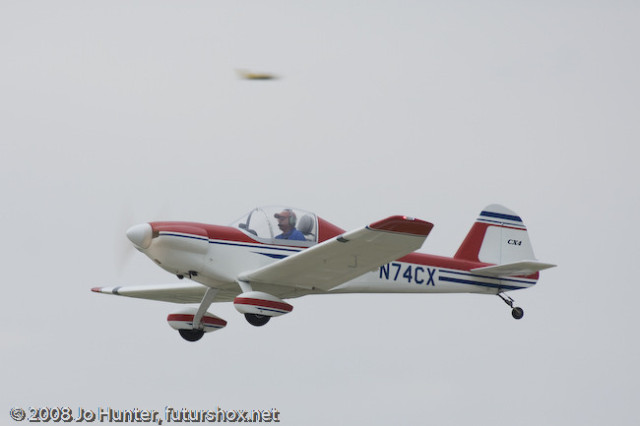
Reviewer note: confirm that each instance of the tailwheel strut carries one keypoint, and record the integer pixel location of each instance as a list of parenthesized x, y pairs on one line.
[(516, 311)]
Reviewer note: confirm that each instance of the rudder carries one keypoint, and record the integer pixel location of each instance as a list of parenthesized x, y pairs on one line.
[(498, 236)]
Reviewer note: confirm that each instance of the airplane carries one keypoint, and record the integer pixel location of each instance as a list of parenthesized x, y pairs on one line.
[(275, 253)]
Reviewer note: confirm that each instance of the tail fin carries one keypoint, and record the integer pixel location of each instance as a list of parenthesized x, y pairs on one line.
[(498, 236)]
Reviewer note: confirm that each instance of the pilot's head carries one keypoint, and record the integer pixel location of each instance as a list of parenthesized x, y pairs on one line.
[(286, 219)]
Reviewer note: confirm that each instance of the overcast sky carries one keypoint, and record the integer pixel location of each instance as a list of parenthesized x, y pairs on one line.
[(115, 113)]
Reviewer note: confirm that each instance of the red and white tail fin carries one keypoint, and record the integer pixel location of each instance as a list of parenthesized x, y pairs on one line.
[(499, 237)]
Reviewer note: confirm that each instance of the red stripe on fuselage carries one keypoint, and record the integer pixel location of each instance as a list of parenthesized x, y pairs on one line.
[(203, 230), (229, 233)]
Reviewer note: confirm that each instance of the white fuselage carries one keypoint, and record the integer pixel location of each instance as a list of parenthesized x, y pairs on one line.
[(218, 263)]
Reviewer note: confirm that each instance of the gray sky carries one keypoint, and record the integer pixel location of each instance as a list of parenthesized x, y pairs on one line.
[(114, 113)]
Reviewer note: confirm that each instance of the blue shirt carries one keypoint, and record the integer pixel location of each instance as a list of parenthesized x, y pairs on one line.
[(294, 234)]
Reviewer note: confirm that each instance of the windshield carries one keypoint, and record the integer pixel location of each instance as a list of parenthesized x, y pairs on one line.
[(280, 225)]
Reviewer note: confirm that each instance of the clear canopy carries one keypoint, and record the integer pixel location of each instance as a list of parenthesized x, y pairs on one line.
[(280, 225)]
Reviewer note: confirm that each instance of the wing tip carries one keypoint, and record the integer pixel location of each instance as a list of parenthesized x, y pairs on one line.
[(404, 225), (106, 290)]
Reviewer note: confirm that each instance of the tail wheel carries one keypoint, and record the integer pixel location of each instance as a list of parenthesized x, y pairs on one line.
[(517, 313), (191, 335), (257, 320)]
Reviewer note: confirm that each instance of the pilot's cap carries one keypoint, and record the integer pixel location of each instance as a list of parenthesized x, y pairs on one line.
[(284, 214), (287, 214)]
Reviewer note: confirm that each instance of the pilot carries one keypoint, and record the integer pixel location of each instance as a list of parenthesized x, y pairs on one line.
[(287, 224)]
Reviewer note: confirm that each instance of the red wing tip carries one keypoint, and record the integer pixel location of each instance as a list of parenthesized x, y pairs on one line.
[(403, 224), (97, 289)]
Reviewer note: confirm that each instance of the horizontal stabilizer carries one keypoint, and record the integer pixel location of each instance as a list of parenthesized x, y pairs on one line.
[(519, 268)]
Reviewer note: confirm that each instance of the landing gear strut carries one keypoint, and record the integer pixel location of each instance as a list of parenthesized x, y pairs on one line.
[(516, 312), (196, 333)]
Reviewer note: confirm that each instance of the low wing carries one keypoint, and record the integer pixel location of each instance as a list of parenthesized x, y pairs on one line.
[(520, 268), (345, 257), (176, 293)]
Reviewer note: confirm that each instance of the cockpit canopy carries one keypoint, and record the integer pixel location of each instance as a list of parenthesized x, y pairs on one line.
[(280, 225)]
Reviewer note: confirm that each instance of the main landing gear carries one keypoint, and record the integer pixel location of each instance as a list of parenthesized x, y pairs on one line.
[(516, 312), (191, 335), (257, 320)]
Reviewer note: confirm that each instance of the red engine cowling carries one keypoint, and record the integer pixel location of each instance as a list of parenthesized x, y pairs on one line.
[(261, 303), (183, 320)]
